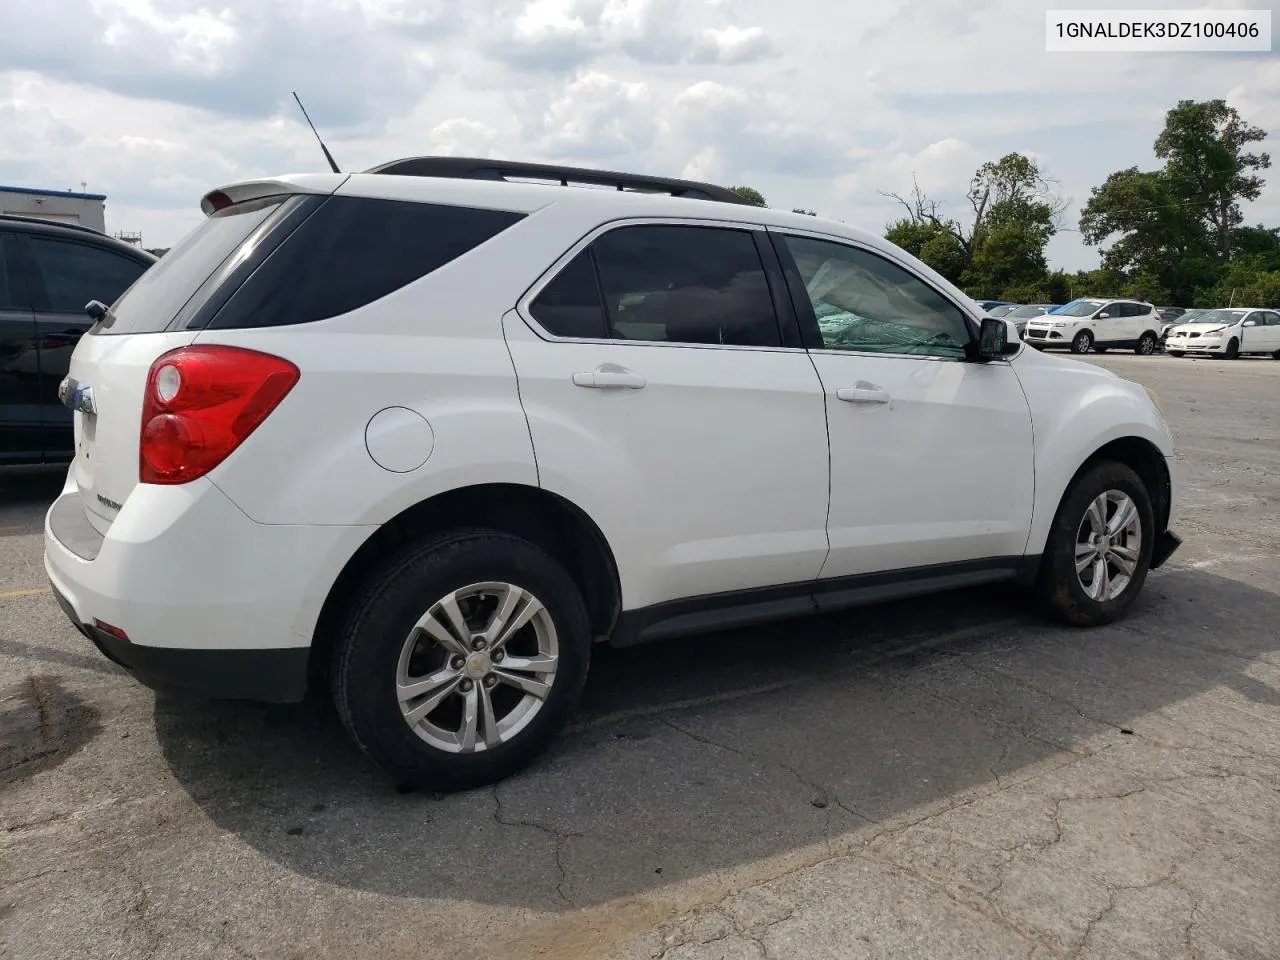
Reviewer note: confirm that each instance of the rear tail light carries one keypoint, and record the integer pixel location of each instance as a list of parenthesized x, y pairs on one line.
[(201, 403)]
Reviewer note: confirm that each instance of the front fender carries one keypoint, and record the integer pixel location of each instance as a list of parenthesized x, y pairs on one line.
[(1076, 410)]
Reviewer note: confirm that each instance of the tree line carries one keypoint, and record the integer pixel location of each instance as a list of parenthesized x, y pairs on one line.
[(1174, 235)]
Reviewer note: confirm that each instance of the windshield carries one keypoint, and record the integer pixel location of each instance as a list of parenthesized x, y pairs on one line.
[(1001, 310), (1226, 317), (1078, 308), (1026, 311), (1189, 316)]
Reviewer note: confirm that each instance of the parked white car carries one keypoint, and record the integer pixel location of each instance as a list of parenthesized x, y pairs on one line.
[(424, 438), (1227, 333), (1096, 324)]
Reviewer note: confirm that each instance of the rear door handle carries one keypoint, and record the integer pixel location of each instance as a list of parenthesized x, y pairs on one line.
[(609, 376), (863, 393)]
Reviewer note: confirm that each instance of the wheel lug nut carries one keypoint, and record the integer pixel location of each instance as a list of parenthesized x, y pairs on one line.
[(458, 662), (497, 656), (477, 643), (465, 686), (490, 680)]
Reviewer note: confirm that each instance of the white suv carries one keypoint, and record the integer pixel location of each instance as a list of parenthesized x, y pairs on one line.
[(424, 434), (1099, 325)]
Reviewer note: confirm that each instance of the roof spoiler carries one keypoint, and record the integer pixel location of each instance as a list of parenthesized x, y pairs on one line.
[(245, 190)]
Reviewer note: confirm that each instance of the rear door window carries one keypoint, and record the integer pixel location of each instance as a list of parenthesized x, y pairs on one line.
[(686, 284), (570, 305), (72, 274), (353, 251)]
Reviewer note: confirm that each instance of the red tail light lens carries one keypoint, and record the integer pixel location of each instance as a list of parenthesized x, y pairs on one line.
[(201, 402)]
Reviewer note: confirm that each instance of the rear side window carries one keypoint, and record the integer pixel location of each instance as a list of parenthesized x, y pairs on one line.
[(72, 274), (352, 251), (680, 284), (160, 293)]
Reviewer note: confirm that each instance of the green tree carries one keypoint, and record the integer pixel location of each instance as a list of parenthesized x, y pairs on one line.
[(1206, 168), (1016, 209), (1158, 235), (751, 195)]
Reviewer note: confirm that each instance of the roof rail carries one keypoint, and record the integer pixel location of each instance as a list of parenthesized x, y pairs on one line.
[(51, 223), (474, 168)]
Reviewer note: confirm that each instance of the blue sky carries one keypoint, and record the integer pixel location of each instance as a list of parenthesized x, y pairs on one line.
[(817, 103)]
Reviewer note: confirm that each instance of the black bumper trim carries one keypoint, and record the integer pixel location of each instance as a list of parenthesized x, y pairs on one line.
[(272, 676), (1166, 543)]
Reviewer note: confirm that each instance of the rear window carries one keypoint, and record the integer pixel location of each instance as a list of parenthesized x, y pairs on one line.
[(352, 251), (155, 299)]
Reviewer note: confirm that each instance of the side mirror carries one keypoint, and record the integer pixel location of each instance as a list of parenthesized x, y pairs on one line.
[(1250, 323), (1103, 316), (993, 339), (96, 310)]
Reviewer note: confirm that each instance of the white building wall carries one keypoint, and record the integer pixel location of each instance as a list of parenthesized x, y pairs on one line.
[(86, 209)]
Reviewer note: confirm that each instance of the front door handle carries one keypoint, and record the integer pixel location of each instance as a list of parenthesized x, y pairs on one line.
[(863, 393), (609, 376)]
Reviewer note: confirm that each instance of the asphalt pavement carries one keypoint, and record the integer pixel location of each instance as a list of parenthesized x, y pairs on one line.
[(950, 778)]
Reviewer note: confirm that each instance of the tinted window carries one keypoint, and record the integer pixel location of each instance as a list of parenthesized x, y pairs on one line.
[(863, 302), (570, 305), (168, 285), (75, 273), (352, 251), (8, 296), (686, 285), (1273, 319)]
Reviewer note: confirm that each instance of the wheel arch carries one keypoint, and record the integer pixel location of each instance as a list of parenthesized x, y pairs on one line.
[(547, 519), (1141, 456)]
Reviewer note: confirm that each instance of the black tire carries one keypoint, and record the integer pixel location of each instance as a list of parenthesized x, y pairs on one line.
[(1100, 349), (1276, 355), (1058, 584), (1146, 345), (1082, 343), (1233, 350), (379, 621), (1177, 353)]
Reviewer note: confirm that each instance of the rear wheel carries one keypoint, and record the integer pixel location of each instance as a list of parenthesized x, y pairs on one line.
[(1233, 349), (462, 659), (1146, 345), (1100, 349), (1083, 342), (1177, 353), (1099, 547), (1276, 355)]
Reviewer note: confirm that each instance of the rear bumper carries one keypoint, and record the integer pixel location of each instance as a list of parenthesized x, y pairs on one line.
[(273, 676), (212, 603)]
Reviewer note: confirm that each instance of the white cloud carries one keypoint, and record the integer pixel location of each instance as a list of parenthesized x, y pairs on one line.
[(816, 103)]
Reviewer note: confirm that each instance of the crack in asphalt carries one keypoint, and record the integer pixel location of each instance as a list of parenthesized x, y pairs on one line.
[(825, 794), (557, 836)]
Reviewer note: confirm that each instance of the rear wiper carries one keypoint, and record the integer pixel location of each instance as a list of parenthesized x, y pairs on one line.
[(99, 312)]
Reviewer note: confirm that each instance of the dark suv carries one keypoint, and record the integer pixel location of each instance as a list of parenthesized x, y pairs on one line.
[(48, 273)]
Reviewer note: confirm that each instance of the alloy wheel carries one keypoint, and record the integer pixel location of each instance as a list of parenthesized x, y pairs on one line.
[(477, 667), (1108, 545)]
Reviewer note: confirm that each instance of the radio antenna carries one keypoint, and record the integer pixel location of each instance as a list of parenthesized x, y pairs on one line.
[(327, 155)]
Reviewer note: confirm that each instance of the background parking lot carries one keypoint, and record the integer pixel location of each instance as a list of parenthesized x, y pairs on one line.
[(943, 778)]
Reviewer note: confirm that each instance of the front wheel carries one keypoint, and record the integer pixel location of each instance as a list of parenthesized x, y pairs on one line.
[(1233, 349), (1099, 547), (1146, 345), (1177, 353), (461, 659), (1082, 343)]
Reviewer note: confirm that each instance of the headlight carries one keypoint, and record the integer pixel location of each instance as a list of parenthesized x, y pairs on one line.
[(1217, 332)]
